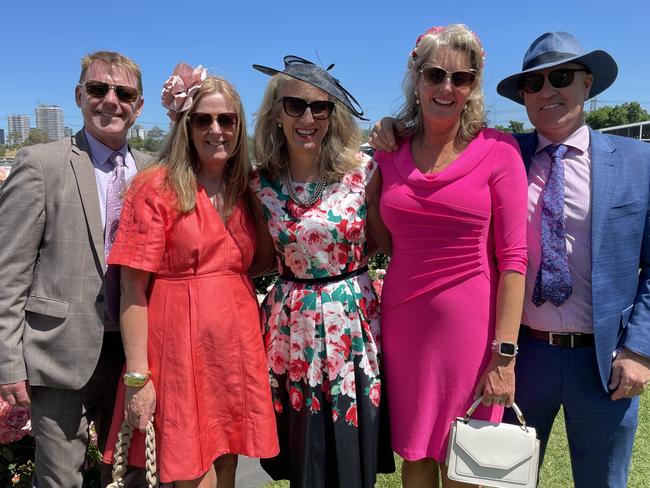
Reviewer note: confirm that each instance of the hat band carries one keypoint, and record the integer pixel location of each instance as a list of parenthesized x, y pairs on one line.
[(548, 58)]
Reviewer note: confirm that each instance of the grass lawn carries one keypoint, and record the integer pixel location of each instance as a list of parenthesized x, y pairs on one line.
[(556, 471)]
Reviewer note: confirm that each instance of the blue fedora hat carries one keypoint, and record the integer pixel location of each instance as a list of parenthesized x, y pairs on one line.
[(555, 48)]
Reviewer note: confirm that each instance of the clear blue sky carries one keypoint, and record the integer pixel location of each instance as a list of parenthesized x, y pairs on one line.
[(368, 41)]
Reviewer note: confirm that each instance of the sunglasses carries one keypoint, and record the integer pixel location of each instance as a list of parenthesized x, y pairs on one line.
[(99, 89), (203, 121), (434, 75), (559, 78), (295, 107)]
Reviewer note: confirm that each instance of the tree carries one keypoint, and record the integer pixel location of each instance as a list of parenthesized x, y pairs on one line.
[(608, 116), (3, 150), (154, 140), (514, 127), (36, 136)]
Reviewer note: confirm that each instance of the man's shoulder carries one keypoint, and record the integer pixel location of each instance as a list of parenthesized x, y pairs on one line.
[(621, 143)]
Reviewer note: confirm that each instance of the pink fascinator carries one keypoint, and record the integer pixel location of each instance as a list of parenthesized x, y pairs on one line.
[(179, 89)]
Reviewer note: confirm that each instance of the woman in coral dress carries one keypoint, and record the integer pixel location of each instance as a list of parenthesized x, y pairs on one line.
[(321, 318), (454, 200), (189, 312)]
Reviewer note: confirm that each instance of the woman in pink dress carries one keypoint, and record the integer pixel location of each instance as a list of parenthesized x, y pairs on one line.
[(454, 201), (189, 316)]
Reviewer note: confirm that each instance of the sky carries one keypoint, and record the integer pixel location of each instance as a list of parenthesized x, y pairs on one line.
[(368, 41)]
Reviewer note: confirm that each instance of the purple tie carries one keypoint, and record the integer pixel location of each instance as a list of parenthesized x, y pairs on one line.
[(113, 210), (553, 281)]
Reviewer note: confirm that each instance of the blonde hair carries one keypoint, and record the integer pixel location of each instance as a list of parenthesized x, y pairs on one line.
[(112, 59), (339, 148), (460, 38), (178, 155)]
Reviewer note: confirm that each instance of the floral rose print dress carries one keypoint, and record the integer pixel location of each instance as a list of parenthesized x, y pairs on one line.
[(322, 337)]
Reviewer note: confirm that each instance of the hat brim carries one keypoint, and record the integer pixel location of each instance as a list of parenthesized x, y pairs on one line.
[(346, 103), (601, 64)]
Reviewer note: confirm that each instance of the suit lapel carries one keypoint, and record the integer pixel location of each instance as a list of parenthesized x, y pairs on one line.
[(84, 172), (527, 145), (605, 163), (140, 159)]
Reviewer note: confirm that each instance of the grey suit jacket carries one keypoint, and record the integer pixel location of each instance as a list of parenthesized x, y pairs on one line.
[(52, 266)]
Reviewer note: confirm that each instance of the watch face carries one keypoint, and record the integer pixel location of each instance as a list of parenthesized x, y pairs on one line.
[(507, 349)]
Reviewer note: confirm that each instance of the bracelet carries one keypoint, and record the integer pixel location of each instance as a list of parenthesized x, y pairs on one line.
[(136, 380)]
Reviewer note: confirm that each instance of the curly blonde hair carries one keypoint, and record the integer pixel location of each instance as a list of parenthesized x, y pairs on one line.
[(339, 148), (178, 155), (458, 37)]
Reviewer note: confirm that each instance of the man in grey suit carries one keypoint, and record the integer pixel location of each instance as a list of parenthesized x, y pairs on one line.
[(60, 346)]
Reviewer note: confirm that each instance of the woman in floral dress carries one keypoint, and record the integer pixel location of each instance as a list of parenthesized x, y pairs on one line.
[(321, 320)]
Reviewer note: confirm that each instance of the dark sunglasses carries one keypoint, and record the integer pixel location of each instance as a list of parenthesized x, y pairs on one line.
[(559, 78), (203, 121), (434, 75), (99, 89), (295, 107)]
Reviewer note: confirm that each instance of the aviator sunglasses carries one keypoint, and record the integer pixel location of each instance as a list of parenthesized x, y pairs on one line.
[(559, 78), (434, 75), (203, 121), (99, 89), (295, 107)]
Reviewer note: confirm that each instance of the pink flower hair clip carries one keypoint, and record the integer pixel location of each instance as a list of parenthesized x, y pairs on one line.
[(179, 89)]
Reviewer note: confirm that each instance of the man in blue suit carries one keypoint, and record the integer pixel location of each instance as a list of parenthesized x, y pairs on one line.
[(585, 336)]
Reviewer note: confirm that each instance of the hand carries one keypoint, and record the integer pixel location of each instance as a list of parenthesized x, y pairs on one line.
[(382, 136), (630, 374), (498, 382), (139, 405), (16, 393)]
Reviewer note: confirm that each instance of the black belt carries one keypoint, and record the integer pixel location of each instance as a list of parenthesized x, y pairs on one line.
[(325, 279), (560, 339)]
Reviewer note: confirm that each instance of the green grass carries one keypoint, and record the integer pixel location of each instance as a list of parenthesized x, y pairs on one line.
[(556, 470)]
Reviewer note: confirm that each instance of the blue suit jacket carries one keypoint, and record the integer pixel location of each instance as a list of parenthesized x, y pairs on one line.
[(620, 243)]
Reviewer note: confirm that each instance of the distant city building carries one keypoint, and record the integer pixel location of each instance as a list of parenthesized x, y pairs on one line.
[(49, 118), (137, 131), (67, 131), (18, 128), (2, 136)]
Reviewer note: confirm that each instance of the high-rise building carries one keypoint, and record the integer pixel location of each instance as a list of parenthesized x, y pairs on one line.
[(49, 118), (2, 136), (18, 127), (67, 131)]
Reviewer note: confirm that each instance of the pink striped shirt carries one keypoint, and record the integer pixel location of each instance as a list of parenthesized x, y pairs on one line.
[(575, 315)]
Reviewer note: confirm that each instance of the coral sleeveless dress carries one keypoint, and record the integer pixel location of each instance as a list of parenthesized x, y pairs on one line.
[(453, 233), (205, 349)]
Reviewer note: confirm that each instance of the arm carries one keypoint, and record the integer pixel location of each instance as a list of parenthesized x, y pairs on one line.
[(22, 206), (498, 382), (139, 403), (264, 259), (509, 192), (376, 228)]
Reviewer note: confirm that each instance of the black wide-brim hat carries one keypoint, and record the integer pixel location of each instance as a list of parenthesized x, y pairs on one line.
[(306, 71), (555, 48)]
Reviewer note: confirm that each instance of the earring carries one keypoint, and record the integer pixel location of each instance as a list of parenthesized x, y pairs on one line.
[(279, 125), (417, 98)]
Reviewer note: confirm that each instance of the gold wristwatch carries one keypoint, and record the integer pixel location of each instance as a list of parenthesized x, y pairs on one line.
[(136, 380)]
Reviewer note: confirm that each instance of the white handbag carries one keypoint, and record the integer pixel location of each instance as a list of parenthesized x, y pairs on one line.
[(489, 454)]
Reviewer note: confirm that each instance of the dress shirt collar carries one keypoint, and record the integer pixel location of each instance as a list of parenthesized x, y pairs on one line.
[(100, 152), (579, 141)]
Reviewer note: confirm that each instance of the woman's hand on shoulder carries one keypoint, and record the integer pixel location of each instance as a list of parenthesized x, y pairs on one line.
[(383, 136), (140, 405)]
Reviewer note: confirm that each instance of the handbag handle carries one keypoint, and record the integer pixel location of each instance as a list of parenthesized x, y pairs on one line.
[(518, 412), (121, 455)]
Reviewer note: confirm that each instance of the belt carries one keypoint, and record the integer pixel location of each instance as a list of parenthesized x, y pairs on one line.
[(559, 339), (325, 279)]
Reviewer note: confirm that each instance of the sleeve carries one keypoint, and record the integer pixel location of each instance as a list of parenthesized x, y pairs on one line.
[(142, 233), (22, 224), (509, 190)]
